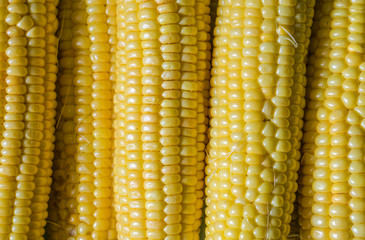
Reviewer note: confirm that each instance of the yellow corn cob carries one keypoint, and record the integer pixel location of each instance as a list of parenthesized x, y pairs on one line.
[(157, 105), (345, 95), (335, 167), (43, 176), (63, 218), (25, 74), (25, 80), (90, 212), (317, 74), (257, 105)]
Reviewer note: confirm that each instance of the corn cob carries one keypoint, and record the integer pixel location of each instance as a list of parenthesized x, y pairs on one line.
[(25, 73), (335, 168), (348, 180), (157, 157), (22, 162), (253, 150), (63, 217), (317, 74)]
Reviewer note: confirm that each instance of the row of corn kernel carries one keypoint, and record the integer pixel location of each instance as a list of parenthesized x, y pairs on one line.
[(170, 109), (3, 75), (83, 80), (202, 9), (63, 195), (3, 85), (219, 131), (120, 167), (353, 98), (101, 107), (133, 124), (317, 75), (152, 122), (295, 105), (188, 115), (354, 86), (68, 198), (43, 176), (3, 66), (302, 31), (192, 106), (111, 11), (15, 108), (303, 21)]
